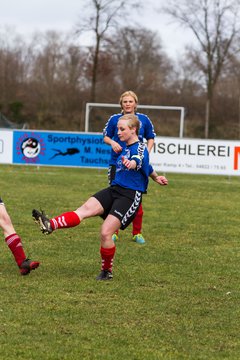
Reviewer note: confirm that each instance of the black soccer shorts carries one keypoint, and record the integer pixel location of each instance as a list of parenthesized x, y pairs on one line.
[(119, 202)]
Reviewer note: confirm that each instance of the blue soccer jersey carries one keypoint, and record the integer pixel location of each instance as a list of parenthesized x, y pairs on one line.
[(146, 132), (136, 179)]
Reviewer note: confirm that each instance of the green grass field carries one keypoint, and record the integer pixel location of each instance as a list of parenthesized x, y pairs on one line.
[(176, 297)]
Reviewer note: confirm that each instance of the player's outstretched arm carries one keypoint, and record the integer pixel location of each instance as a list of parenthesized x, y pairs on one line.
[(161, 180)]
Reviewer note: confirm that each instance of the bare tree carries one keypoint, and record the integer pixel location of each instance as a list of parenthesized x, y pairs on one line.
[(215, 24), (56, 81), (104, 16), (140, 61), (229, 87)]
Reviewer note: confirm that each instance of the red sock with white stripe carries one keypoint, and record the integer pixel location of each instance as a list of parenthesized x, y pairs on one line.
[(66, 220), (107, 256), (15, 245)]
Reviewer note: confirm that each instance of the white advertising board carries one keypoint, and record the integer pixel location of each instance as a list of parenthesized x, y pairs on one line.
[(6, 146), (176, 155), (196, 156)]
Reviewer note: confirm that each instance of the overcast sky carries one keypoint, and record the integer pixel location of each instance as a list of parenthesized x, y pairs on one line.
[(28, 16)]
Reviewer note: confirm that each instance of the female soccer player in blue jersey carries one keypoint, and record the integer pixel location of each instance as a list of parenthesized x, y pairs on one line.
[(118, 203), (128, 102)]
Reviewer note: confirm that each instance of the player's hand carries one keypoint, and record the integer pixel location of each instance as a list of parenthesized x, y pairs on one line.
[(116, 147), (127, 163), (161, 180)]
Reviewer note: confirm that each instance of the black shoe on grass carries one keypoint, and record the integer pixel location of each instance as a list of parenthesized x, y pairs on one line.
[(41, 219), (105, 275), (27, 266)]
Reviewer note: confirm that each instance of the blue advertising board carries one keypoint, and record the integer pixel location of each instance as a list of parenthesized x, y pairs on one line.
[(60, 149)]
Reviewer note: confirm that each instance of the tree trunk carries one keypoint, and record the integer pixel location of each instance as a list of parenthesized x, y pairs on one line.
[(239, 116), (95, 70), (207, 118)]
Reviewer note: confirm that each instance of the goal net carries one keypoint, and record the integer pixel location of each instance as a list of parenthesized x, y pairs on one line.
[(169, 119)]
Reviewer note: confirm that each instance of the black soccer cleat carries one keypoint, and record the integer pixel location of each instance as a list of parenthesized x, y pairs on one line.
[(27, 266), (40, 218), (105, 275)]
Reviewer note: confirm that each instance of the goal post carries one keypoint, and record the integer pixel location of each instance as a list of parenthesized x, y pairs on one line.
[(180, 109)]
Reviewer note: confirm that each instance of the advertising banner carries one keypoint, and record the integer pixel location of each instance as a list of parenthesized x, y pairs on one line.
[(6, 145), (177, 155), (196, 156), (60, 149)]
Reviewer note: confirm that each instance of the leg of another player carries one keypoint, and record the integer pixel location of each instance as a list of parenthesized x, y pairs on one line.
[(14, 243), (137, 227)]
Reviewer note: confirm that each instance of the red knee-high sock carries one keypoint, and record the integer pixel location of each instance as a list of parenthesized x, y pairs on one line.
[(107, 256), (15, 245), (66, 220), (137, 221)]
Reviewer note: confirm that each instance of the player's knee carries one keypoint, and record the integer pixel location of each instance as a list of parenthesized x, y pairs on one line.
[(106, 233), (5, 221)]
